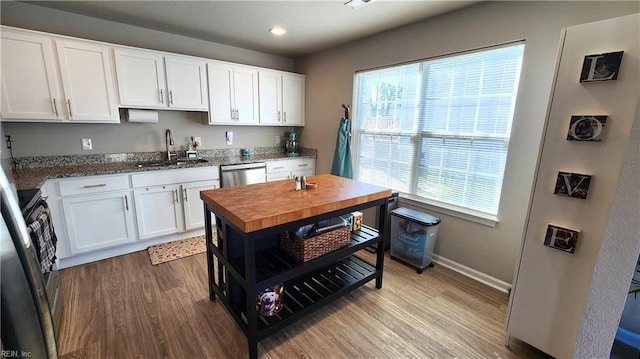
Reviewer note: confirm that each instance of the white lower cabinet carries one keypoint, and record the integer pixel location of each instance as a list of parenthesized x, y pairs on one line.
[(286, 169), (97, 221), (158, 211), (169, 201), (167, 209)]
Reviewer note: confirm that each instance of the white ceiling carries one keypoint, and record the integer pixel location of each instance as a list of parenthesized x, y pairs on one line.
[(312, 25)]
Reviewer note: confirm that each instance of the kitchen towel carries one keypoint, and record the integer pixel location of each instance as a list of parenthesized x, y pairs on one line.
[(44, 240), (342, 157)]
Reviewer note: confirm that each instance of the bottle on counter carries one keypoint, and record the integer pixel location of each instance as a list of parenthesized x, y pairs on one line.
[(298, 183)]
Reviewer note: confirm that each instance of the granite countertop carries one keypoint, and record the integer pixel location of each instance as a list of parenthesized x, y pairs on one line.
[(33, 172)]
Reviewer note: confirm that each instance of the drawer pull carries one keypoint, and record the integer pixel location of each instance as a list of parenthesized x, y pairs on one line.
[(69, 103), (186, 195), (175, 194), (126, 202), (95, 185), (277, 168), (171, 97), (161, 97), (303, 165)]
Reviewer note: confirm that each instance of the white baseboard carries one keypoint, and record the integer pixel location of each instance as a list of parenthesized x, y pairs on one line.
[(473, 274)]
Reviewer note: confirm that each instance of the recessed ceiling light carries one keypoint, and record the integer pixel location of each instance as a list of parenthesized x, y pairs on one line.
[(277, 31), (358, 3)]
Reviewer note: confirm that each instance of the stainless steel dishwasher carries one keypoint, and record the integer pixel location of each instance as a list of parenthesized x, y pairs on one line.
[(247, 173)]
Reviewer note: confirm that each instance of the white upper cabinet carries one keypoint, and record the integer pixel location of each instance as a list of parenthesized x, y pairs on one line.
[(32, 75), (187, 83), (30, 89), (233, 94), (140, 78), (281, 98), (87, 80), (147, 79)]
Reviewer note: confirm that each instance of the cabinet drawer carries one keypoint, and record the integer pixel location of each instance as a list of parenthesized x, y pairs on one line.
[(290, 165), (157, 178), (93, 184)]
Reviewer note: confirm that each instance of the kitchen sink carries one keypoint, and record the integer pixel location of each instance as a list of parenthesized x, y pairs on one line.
[(179, 162)]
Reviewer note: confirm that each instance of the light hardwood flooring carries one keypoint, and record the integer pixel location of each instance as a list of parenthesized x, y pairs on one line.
[(124, 307)]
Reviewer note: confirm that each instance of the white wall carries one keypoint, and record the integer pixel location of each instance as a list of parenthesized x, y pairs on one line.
[(42, 139), (492, 251), (616, 263), (551, 287)]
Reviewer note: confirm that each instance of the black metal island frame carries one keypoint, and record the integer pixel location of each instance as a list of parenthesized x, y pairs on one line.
[(245, 257)]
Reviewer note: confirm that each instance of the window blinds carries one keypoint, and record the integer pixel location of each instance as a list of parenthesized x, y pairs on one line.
[(439, 129)]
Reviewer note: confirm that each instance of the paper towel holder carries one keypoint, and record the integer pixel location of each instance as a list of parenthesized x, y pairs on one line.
[(142, 116)]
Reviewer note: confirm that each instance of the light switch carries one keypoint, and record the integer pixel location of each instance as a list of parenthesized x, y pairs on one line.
[(86, 144), (229, 136), (277, 140)]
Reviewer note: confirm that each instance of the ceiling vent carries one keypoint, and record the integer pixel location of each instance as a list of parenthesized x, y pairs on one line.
[(356, 4)]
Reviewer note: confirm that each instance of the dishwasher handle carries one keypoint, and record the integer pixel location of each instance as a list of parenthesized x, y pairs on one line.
[(244, 166)]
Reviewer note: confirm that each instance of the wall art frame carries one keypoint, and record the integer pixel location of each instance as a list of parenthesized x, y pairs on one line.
[(561, 238), (601, 67), (587, 128), (574, 185)]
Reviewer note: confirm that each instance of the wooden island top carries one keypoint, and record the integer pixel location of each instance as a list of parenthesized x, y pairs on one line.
[(263, 205)]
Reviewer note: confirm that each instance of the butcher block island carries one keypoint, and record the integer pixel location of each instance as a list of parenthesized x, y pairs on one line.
[(245, 257)]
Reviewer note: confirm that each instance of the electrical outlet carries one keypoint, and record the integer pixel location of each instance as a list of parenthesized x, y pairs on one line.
[(86, 144), (277, 140)]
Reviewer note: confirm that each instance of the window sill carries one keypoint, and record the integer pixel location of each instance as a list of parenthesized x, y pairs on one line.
[(476, 217)]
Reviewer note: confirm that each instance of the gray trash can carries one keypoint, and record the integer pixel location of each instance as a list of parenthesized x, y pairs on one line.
[(413, 237)]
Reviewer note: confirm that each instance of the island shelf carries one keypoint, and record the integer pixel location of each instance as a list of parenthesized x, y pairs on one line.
[(244, 256)]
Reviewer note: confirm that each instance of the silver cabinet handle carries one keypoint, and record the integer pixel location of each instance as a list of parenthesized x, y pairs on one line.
[(303, 165), (284, 116), (175, 194), (237, 114), (69, 104), (171, 97), (126, 202), (95, 185), (186, 195), (55, 107), (161, 96), (278, 116), (277, 168)]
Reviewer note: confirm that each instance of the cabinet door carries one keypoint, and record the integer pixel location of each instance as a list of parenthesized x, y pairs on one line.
[(220, 78), (245, 90), (186, 83), (270, 92), (158, 211), (140, 78), (292, 100), (98, 221), (30, 87), (193, 205), (87, 81)]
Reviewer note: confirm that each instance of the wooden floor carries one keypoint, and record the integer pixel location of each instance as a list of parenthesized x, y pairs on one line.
[(124, 307)]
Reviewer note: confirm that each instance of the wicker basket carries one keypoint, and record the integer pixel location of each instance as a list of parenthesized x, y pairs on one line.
[(310, 248)]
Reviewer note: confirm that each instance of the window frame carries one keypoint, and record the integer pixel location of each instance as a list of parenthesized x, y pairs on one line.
[(420, 134)]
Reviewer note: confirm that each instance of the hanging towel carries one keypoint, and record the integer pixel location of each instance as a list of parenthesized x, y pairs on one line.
[(342, 158), (44, 240)]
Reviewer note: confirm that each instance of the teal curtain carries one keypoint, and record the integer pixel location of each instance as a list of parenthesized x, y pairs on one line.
[(342, 157)]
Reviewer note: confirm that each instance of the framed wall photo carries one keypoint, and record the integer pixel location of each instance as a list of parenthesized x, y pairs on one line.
[(572, 185), (586, 128), (601, 67), (560, 238)]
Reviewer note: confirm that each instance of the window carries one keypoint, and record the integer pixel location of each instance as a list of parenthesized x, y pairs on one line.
[(439, 129)]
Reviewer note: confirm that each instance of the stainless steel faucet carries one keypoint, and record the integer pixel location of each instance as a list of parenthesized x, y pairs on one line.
[(168, 137)]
